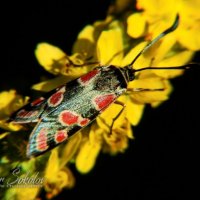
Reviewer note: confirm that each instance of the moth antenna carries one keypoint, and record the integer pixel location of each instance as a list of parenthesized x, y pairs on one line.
[(187, 66), (151, 43)]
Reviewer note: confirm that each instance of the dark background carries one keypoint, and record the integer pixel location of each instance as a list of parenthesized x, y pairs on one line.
[(162, 161)]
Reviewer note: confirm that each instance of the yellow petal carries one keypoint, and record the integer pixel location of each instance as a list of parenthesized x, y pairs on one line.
[(129, 131), (188, 33), (50, 57), (56, 178), (73, 72), (10, 101), (3, 135), (190, 9), (6, 97), (110, 47), (154, 8), (88, 153), (106, 118), (134, 112), (23, 193), (152, 82), (10, 126), (49, 85), (189, 37), (178, 59), (95, 135), (136, 25), (87, 39), (164, 48), (143, 61), (87, 33), (86, 158), (63, 179), (52, 167), (117, 141), (70, 149), (85, 42)]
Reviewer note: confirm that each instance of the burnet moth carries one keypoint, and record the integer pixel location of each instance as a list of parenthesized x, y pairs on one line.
[(69, 108)]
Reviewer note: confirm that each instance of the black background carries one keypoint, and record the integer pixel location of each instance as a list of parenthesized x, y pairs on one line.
[(162, 161)]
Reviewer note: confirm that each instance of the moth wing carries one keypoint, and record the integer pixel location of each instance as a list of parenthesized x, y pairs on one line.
[(70, 109), (53, 129), (48, 134), (42, 106), (30, 112), (43, 138)]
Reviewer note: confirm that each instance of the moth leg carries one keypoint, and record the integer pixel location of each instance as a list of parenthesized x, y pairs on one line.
[(118, 114), (130, 90)]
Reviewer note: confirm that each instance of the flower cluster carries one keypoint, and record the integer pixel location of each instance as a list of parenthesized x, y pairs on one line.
[(113, 41)]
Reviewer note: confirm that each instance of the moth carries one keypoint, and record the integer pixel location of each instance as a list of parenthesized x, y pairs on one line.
[(69, 108)]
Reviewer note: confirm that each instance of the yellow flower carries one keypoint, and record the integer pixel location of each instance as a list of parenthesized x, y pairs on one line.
[(51, 58), (113, 41), (56, 177), (136, 25), (160, 14), (10, 101), (55, 61), (27, 193), (110, 50), (19, 180), (117, 141), (89, 150)]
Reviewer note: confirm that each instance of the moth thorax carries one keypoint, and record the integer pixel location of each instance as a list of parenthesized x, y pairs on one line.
[(128, 73)]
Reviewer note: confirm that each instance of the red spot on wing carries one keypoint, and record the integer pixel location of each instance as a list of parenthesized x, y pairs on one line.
[(55, 99), (68, 118), (37, 101), (42, 146), (84, 122), (60, 136), (21, 113), (103, 101), (27, 114), (32, 113), (42, 139), (87, 77)]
